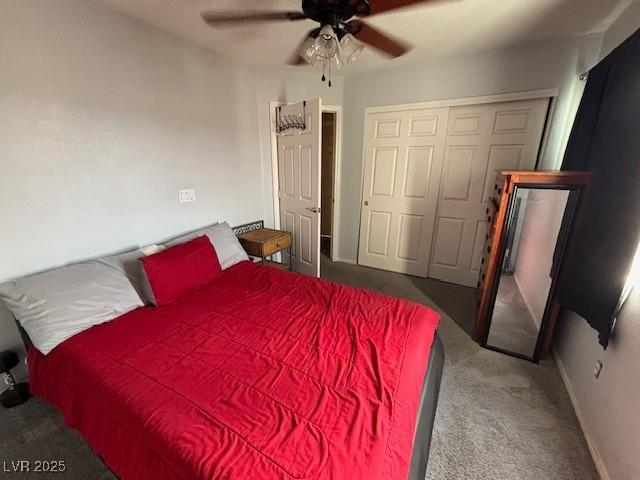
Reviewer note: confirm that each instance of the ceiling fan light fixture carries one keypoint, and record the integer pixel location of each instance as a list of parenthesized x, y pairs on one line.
[(326, 45), (350, 48), (307, 51), (323, 48)]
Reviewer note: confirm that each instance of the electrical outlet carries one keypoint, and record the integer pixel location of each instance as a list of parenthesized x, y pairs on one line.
[(598, 369), (187, 196)]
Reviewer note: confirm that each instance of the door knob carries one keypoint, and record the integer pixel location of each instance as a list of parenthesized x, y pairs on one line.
[(314, 210), (366, 203)]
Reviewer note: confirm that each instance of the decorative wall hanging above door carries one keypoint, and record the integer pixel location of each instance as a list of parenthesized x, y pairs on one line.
[(339, 39), (285, 122)]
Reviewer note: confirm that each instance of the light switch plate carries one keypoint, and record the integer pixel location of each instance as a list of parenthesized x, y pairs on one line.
[(187, 196)]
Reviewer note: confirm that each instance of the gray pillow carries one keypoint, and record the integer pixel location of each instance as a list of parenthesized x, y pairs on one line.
[(55, 305), (130, 265), (189, 236), (225, 242), (147, 291)]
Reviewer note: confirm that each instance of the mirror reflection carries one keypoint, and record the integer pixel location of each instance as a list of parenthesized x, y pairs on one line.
[(533, 227)]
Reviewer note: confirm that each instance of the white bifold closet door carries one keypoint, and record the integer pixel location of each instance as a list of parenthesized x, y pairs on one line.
[(403, 161), (482, 140), (427, 177)]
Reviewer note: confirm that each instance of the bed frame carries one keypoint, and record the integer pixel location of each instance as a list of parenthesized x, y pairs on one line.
[(427, 411), (23, 334)]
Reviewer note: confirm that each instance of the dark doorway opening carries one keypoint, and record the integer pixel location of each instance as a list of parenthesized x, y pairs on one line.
[(327, 197)]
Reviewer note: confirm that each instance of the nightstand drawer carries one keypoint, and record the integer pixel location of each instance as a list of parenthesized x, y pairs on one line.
[(252, 248), (265, 242), (275, 245)]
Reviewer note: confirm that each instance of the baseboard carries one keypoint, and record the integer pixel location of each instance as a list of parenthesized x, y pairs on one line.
[(350, 261), (532, 315), (593, 449)]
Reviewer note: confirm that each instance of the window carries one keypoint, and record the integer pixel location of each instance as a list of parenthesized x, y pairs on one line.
[(633, 280)]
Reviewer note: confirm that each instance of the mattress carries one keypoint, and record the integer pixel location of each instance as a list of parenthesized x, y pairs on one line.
[(262, 374)]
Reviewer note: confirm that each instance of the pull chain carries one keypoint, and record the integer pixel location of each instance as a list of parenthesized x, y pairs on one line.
[(326, 71)]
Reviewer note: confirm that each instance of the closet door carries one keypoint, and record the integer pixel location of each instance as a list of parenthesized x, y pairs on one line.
[(402, 166), (481, 141)]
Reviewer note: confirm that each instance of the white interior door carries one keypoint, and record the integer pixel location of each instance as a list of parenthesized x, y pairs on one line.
[(481, 141), (402, 165), (299, 185)]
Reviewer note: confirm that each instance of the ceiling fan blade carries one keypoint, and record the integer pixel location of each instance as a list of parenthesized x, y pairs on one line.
[(382, 6), (221, 19), (377, 39)]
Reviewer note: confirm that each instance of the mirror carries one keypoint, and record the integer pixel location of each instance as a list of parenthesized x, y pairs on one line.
[(535, 233)]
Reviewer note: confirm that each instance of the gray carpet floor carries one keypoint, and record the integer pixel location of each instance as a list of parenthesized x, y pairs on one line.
[(498, 417), (512, 326)]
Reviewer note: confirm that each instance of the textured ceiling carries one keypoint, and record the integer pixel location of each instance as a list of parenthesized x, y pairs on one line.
[(446, 28)]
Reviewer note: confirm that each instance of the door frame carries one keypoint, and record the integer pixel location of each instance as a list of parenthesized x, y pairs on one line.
[(337, 169), (550, 93)]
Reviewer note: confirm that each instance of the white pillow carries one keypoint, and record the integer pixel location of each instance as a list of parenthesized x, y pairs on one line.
[(225, 242), (55, 305)]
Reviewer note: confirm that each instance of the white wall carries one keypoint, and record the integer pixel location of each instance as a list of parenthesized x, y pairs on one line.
[(547, 65), (103, 118), (608, 406), (542, 220), (623, 27)]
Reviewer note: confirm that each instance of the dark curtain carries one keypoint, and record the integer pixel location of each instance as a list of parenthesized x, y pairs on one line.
[(605, 140)]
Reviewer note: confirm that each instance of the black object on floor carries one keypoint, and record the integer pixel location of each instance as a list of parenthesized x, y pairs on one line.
[(17, 393)]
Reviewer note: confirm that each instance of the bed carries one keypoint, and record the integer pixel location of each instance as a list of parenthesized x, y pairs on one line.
[(261, 374)]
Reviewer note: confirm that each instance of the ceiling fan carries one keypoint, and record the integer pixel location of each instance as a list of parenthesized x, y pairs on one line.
[(339, 39)]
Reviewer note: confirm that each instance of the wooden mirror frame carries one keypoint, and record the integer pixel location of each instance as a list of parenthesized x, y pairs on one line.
[(498, 211)]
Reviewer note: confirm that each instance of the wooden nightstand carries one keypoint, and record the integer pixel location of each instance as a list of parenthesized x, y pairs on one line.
[(266, 242)]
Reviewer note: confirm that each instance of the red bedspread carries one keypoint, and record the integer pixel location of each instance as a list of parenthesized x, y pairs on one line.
[(261, 374)]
